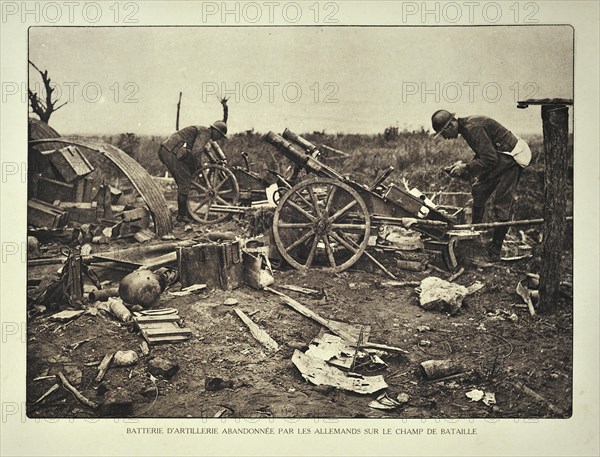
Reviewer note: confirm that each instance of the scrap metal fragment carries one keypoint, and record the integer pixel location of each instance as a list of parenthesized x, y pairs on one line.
[(319, 373)]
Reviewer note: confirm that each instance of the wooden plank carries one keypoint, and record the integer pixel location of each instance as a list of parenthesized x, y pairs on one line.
[(167, 331), (258, 333), (166, 339), (154, 319), (103, 367)]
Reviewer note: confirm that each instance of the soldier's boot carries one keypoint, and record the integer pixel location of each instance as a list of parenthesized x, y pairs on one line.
[(182, 211)]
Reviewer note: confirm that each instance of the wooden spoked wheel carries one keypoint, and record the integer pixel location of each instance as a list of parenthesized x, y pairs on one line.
[(212, 185), (322, 223)]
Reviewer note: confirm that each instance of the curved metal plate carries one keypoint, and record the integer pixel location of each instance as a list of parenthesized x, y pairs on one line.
[(139, 177)]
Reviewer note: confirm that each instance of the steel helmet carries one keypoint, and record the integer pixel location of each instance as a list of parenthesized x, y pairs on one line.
[(440, 120), (220, 127)]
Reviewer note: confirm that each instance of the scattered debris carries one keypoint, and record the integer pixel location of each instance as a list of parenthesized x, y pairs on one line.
[(339, 328), (49, 392), (189, 290), (66, 315), (213, 384), (423, 328), (475, 395), (488, 398), (74, 374), (162, 367), (67, 385), (403, 398), (119, 310), (103, 367), (320, 373), (527, 295), (384, 402), (125, 358), (144, 348), (302, 290), (400, 283), (162, 329), (259, 334), (456, 275), (230, 302), (144, 235), (532, 393), (435, 369), (436, 293), (103, 294), (258, 272), (223, 412)]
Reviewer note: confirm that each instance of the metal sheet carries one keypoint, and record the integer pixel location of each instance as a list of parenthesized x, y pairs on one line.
[(139, 177)]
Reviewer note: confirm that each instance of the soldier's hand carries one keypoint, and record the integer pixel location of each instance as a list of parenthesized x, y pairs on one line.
[(458, 170)]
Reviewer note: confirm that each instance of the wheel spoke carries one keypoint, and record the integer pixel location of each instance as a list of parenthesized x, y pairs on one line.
[(295, 225), (343, 211), (329, 251), (343, 242), (309, 204), (200, 186), (221, 200), (301, 210), (314, 200), (201, 204), (218, 186), (299, 241), (329, 198), (206, 180), (208, 210), (313, 250)]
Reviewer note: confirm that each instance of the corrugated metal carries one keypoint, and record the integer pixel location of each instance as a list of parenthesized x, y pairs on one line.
[(39, 129), (137, 174)]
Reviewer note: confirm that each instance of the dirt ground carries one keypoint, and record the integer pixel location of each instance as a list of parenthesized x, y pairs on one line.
[(514, 358)]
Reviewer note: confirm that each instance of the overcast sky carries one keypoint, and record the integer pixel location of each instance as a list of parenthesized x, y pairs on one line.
[(337, 79)]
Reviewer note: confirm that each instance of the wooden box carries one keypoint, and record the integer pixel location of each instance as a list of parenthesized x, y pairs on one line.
[(49, 190), (43, 214), (218, 265), (70, 163)]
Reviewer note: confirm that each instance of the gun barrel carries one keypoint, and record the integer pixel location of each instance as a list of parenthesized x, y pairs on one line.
[(303, 143)]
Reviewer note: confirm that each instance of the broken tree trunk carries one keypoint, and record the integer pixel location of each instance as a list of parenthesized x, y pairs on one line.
[(555, 119)]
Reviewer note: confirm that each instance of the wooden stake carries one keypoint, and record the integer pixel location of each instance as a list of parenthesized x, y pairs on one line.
[(555, 119), (178, 109)]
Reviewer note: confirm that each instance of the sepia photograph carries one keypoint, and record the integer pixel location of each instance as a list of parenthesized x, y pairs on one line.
[(299, 228), (300, 222)]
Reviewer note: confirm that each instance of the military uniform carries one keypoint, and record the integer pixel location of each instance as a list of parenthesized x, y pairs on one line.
[(182, 155), (492, 169)]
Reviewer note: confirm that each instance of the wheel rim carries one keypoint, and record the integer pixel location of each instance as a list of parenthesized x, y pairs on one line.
[(212, 185), (321, 222)]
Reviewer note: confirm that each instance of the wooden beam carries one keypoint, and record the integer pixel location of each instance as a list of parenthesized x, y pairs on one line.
[(555, 120)]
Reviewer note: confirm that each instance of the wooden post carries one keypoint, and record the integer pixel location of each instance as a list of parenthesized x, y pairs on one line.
[(555, 120), (178, 109)]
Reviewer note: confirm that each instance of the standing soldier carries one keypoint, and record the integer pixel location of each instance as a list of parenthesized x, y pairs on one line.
[(182, 155), (500, 156)]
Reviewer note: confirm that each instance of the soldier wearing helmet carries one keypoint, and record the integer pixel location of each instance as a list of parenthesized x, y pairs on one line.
[(500, 157), (181, 153)]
